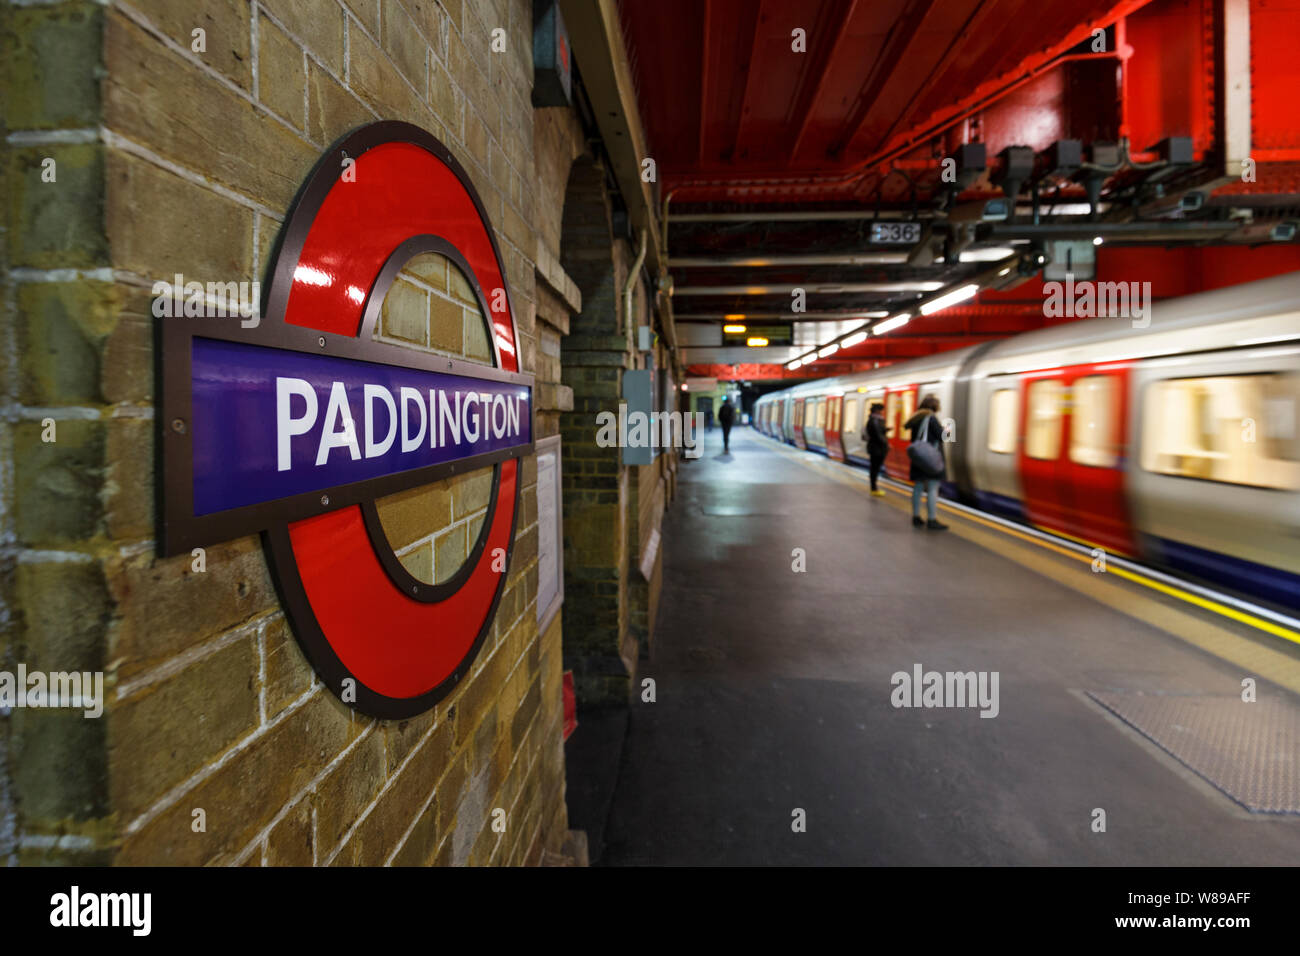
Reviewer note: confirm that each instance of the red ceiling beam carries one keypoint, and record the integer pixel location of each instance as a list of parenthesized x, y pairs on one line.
[(808, 103), (752, 81), (704, 78), (897, 43), (994, 89), (759, 181)]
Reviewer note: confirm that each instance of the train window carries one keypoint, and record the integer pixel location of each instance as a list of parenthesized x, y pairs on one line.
[(909, 405), (891, 413), (821, 413), (833, 422), (1092, 425), (1238, 429), (1043, 440), (1003, 415), (809, 413)]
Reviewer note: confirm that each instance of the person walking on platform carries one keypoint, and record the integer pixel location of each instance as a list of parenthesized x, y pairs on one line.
[(726, 415), (876, 434), (928, 465)]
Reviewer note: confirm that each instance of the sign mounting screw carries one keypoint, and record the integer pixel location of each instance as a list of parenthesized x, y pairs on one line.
[(325, 499), (321, 340), (178, 426)]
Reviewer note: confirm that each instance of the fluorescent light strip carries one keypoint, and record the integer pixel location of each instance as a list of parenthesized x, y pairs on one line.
[(950, 298), (987, 254), (889, 325)]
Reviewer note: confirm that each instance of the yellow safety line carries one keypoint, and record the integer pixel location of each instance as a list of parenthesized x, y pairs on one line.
[(1223, 610), (1230, 612)]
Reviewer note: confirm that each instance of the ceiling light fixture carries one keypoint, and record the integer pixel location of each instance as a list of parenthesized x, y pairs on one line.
[(986, 254), (889, 325), (949, 299)]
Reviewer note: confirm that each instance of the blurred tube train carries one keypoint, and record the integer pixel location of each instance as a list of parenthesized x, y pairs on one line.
[(1178, 443)]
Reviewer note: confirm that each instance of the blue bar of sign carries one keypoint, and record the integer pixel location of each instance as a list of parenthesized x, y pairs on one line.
[(270, 423)]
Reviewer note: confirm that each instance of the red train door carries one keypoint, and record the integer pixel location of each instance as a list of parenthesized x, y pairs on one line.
[(900, 404), (1042, 449), (1072, 449), (834, 418), (798, 423), (1096, 444)]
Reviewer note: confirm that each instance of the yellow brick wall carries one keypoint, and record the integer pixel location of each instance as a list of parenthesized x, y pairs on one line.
[(172, 160)]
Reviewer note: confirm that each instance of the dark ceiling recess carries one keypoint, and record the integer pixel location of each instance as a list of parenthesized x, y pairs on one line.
[(862, 157)]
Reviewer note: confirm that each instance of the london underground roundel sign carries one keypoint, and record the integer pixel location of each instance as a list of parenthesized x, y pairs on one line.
[(295, 425)]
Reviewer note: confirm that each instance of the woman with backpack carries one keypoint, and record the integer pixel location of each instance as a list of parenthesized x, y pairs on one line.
[(928, 464)]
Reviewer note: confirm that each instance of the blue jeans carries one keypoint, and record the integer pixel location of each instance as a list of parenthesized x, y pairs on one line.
[(932, 497)]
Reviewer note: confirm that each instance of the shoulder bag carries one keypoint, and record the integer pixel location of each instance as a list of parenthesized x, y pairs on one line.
[(924, 455)]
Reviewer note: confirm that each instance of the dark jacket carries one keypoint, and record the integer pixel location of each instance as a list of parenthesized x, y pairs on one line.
[(725, 415), (877, 436), (918, 425)]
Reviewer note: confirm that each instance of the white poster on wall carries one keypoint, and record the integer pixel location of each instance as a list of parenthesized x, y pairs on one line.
[(550, 535)]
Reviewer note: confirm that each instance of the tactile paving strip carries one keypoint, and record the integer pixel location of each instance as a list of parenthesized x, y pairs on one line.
[(1250, 751)]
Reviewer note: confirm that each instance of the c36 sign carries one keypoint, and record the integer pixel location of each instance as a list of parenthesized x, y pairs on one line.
[(293, 428)]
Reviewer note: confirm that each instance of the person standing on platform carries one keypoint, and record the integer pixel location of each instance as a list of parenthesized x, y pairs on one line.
[(726, 415), (928, 464), (876, 434)]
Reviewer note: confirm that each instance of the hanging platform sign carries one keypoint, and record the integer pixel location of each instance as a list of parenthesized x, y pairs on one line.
[(294, 425)]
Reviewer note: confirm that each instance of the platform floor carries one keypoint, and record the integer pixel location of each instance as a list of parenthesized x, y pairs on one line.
[(774, 693)]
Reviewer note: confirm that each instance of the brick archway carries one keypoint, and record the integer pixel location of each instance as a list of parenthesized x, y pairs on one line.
[(597, 645)]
